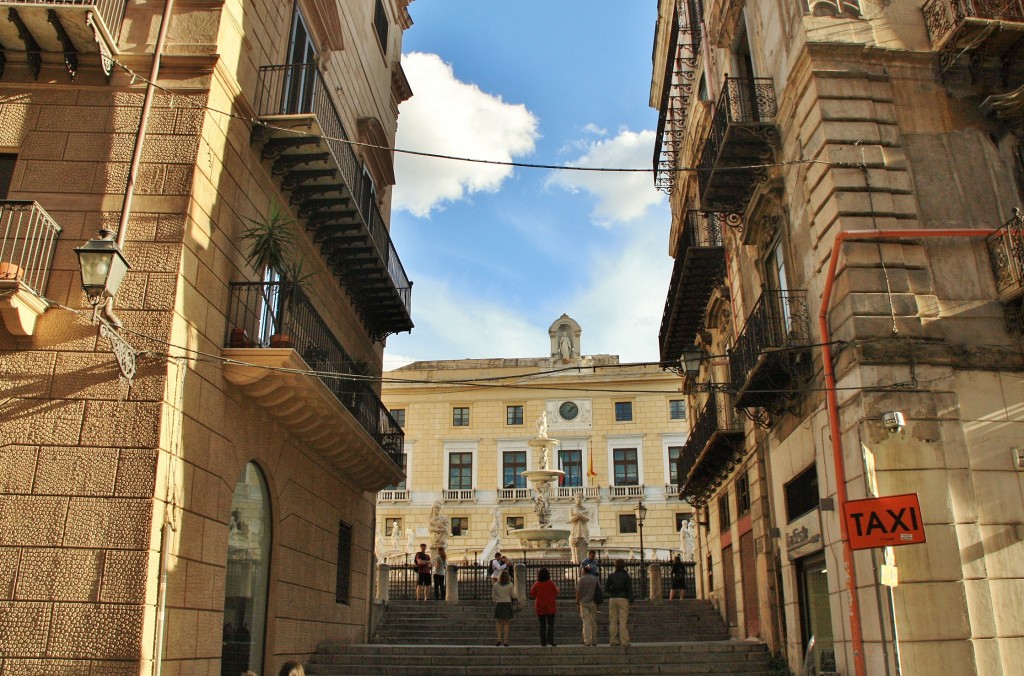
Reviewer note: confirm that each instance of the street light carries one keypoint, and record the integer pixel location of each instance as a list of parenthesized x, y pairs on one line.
[(103, 267), (641, 513)]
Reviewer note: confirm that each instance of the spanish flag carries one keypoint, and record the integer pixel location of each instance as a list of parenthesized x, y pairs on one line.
[(590, 465)]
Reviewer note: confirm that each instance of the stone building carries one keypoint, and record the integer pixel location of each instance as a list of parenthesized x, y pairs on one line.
[(175, 495), (620, 428), (845, 312)]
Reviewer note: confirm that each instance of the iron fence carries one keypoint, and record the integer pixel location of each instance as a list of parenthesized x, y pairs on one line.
[(266, 314), (299, 89), (475, 579), (28, 239)]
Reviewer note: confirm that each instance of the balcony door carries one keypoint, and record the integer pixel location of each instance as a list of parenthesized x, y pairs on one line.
[(778, 285), (300, 76)]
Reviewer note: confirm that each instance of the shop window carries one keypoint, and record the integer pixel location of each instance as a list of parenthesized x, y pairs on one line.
[(801, 493)]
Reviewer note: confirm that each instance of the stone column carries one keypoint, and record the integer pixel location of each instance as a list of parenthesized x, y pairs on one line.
[(520, 582), (383, 581), (654, 581), (451, 583)]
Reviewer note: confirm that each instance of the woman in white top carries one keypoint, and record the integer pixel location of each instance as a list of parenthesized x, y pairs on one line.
[(503, 593), (440, 568)]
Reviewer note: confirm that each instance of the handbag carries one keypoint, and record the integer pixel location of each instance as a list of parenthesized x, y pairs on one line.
[(516, 607)]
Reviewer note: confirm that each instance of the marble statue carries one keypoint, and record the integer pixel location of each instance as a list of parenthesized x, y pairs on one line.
[(579, 535), (409, 532), (438, 524), (542, 425), (565, 346), (542, 506), (495, 523), (396, 537), (688, 534)]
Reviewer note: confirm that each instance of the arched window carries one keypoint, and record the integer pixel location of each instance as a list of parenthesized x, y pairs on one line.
[(248, 568)]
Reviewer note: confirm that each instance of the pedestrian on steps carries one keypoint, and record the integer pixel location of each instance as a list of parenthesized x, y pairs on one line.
[(422, 561), (503, 593), (544, 593), (587, 587), (619, 590), (440, 568), (678, 579)]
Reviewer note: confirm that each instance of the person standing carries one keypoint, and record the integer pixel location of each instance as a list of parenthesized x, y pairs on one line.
[(503, 593), (678, 579), (422, 562), (619, 590), (586, 587), (544, 593), (591, 560), (440, 568)]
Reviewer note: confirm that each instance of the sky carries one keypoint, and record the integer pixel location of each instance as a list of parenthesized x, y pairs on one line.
[(497, 254)]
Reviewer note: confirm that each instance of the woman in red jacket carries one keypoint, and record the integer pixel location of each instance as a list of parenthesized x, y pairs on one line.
[(545, 595)]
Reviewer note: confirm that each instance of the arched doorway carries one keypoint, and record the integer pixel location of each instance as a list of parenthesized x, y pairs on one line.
[(248, 568)]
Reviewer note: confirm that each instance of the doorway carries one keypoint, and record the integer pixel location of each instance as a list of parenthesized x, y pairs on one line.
[(815, 611)]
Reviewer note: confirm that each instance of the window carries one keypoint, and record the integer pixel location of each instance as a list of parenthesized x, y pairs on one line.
[(627, 523), (514, 523), (623, 411), (390, 523), (344, 563), (724, 518), (513, 464), (802, 493), (460, 471), (711, 574), (399, 415), (673, 464), (460, 416), (514, 415), (7, 162), (742, 494), (681, 518), (677, 409), (380, 26), (460, 526), (626, 468), (301, 77), (570, 461)]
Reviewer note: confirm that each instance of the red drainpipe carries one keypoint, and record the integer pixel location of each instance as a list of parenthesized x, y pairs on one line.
[(856, 632)]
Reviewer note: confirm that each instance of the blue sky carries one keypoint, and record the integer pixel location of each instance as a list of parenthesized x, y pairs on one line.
[(497, 254)]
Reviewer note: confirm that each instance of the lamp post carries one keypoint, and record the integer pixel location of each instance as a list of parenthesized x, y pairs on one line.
[(103, 268), (641, 513)]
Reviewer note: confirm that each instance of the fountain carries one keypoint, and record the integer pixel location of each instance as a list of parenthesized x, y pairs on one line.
[(545, 535)]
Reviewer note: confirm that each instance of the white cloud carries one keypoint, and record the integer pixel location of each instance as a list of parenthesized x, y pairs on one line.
[(450, 117), (592, 128), (621, 196)]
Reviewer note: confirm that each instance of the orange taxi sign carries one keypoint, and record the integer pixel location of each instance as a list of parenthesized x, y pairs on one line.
[(884, 522)]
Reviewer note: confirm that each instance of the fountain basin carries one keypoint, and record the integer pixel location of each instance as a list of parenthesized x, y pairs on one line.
[(542, 476), (542, 538)]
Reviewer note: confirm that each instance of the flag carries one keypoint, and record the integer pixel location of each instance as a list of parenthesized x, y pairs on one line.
[(561, 477), (590, 465)]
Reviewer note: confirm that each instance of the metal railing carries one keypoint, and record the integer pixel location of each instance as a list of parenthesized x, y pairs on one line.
[(110, 11), (716, 416), (263, 314), (1006, 253), (475, 579), (299, 89), (28, 239), (943, 17), (743, 101), (779, 320)]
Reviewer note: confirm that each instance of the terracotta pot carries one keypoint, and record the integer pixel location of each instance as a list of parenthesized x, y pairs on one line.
[(240, 338), (280, 340), (11, 271)]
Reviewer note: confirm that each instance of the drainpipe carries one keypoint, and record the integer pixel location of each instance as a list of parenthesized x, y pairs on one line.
[(161, 600), (140, 136), (856, 632)]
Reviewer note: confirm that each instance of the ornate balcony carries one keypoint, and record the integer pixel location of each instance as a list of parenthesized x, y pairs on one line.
[(986, 33), (699, 268), (714, 447), (677, 90), (569, 492), (284, 356), (625, 492), (306, 140), (28, 239), (1006, 251), (743, 136), (69, 28), (459, 495), (772, 352), (515, 494)]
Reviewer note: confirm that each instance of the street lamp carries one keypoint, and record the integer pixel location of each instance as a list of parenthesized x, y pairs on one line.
[(103, 267), (641, 513)]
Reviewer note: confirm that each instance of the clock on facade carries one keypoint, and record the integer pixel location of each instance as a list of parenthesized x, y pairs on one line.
[(568, 410)]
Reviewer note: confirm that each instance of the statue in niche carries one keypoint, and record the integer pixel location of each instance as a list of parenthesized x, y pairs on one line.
[(579, 534), (565, 345)]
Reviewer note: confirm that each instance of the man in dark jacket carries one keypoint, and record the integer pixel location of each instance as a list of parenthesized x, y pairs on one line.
[(619, 590)]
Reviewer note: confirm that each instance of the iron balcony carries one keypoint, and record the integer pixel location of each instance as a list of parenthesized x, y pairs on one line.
[(713, 448), (330, 189)]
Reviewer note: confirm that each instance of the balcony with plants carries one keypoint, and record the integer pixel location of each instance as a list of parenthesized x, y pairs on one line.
[(304, 138), (742, 138), (713, 448), (64, 28), (772, 355), (699, 268), (28, 239)]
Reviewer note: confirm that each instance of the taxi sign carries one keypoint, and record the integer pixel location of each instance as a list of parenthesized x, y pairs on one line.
[(884, 522)]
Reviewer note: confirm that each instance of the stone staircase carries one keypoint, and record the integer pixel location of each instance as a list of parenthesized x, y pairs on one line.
[(426, 638)]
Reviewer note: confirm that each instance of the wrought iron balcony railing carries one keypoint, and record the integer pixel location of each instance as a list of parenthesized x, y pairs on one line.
[(944, 18), (1006, 252), (67, 27), (677, 90), (28, 239), (743, 136), (699, 268), (262, 314), (770, 352), (344, 215), (714, 440)]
